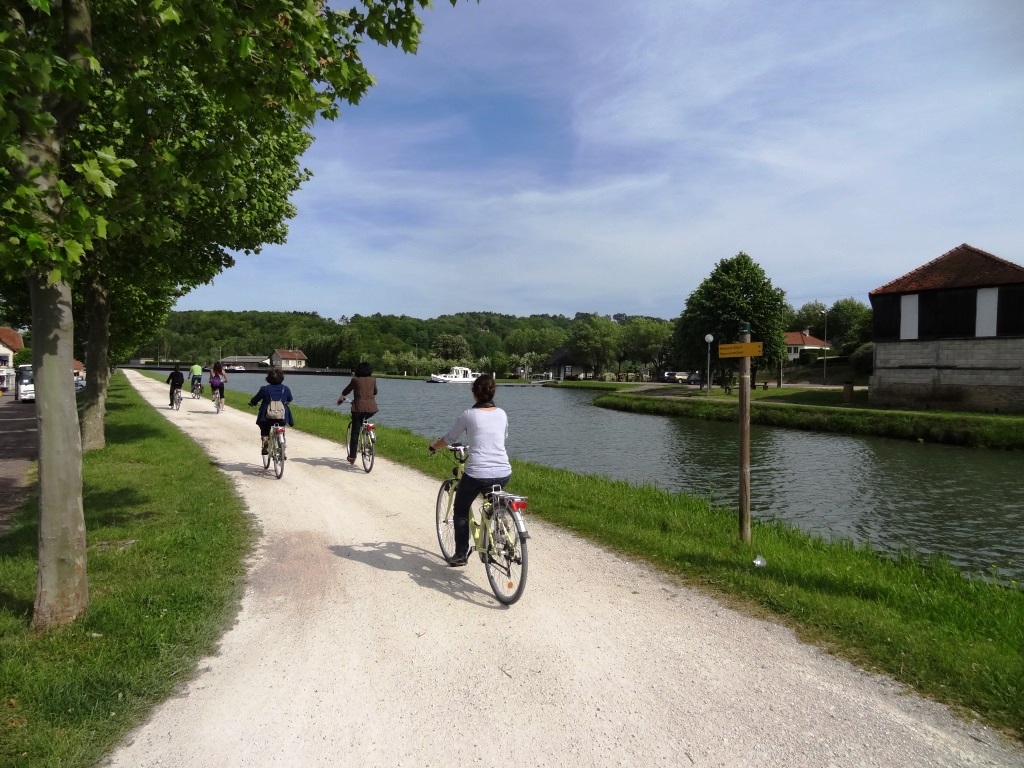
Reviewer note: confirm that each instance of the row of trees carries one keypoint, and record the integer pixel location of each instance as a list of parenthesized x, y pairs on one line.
[(737, 288), (140, 145)]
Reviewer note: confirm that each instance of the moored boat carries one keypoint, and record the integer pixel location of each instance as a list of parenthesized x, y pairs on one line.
[(457, 375)]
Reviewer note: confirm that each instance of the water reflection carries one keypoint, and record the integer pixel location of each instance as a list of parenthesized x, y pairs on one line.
[(894, 494)]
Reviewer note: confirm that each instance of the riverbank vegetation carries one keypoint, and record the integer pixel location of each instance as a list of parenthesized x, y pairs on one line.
[(805, 410), (162, 593)]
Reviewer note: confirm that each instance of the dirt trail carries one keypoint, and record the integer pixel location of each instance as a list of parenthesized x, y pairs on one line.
[(355, 645)]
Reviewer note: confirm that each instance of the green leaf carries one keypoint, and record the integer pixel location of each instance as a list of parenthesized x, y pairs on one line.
[(17, 155), (101, 227), (170, 13), (245, 46), (74, 250), (40, 5), (54, 276)]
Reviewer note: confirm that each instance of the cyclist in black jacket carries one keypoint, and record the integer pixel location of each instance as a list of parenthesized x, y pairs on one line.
[(176, 379)]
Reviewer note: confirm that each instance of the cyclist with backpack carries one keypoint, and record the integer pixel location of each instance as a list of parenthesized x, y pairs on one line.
[(218, 378), (273, 399)]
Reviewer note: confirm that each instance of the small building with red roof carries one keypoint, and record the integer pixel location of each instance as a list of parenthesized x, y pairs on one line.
[(287, 358), (950, 334), (798, 341)]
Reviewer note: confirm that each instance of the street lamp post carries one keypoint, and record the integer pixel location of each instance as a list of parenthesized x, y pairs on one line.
[(824, 367), (709, 338)]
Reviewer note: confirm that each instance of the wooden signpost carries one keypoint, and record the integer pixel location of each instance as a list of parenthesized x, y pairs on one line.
[(744, 350)]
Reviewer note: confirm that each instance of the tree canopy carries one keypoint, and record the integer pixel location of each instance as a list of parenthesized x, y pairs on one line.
[(737, 291)]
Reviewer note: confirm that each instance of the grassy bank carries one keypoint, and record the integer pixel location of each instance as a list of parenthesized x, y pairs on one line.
[(953, 428), (166, 538)]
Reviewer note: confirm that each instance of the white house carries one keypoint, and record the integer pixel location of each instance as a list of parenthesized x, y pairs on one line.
[(288, 358), (798, 341), (10, 343)]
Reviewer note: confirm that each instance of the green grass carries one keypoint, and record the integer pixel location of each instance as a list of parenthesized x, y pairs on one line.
[(592, 384), (953, 428), (166, 538), (159, 603)]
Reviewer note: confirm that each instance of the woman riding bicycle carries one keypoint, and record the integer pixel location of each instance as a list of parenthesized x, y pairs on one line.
[(272, 390), (218, 378), (486, 426), (364, 404)]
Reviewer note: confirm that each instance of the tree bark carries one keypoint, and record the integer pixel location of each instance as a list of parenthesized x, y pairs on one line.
[(97, 368), (62, 588)]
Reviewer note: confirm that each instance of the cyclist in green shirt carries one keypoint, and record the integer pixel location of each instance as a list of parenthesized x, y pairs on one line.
[(196, 372)]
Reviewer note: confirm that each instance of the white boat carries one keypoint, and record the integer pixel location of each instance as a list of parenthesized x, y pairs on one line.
[(457, 375)]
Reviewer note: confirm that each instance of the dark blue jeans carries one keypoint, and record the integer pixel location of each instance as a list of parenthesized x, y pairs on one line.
[(357, 424), (465, 494)]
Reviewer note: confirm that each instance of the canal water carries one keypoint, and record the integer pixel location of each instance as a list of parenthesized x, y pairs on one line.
[(967, 503)]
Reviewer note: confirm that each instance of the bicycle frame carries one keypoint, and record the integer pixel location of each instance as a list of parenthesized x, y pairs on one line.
[(478, 531)]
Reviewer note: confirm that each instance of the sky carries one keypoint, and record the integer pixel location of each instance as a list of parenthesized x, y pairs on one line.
[(564, 156)]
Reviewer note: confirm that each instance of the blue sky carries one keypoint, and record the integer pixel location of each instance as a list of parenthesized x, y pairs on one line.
[(563, 156)]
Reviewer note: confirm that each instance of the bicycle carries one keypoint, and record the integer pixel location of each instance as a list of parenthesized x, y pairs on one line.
[(275, 448), (366, 443), (197, 389), (177, 398), (497, 530), (217, 404)]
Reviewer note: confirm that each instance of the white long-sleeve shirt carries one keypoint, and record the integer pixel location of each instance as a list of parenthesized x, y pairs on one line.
[(486, 430)]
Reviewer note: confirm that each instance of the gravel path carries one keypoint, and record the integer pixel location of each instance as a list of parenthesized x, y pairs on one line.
[(355, 645)]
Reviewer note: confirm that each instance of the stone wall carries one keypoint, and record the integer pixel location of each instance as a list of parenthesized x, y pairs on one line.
[(982, 374)]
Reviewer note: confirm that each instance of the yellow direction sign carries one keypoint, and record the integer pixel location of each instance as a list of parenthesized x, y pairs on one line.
[(750, 349)]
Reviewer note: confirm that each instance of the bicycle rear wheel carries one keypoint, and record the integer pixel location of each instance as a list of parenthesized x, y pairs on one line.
[(277, 451), (216, 402), (446, 518), (177, 399), (506, 560), (366, 449)]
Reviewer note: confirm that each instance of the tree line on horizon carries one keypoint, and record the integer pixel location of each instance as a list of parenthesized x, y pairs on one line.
[(735, 291)]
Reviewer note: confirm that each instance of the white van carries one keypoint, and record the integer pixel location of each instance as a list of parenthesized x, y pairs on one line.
[(24, 383)]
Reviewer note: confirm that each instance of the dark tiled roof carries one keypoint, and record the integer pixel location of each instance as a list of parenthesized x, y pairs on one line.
[(11, 338), (963, 267)]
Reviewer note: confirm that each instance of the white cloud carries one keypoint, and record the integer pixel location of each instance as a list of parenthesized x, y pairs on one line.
[(595, 156)]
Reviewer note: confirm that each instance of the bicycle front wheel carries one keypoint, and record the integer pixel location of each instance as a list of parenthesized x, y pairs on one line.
[(446, 518), (277, 451), (366, 449), (506, 560)]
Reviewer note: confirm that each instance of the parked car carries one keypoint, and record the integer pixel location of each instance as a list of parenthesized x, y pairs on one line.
[(669, 377), (238, 368), (79, 385), (27, 391), (695, 378)]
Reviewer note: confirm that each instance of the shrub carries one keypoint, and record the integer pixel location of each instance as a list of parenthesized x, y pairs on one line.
[(863, 358)]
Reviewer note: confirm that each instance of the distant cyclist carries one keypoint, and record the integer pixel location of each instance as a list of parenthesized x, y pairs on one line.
[(218, 378), (176, 379), (197, 375), (364, 404)]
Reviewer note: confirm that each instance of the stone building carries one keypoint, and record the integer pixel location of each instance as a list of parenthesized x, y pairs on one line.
[(950, 334)]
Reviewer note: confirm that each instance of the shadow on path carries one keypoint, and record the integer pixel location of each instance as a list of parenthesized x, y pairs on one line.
[(425, 568)]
